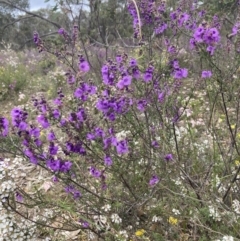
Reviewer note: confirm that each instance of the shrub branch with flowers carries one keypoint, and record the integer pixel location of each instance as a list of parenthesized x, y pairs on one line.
[(150, 152)]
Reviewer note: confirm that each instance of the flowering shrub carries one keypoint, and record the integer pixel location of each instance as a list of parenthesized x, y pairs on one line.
[(147, 154)]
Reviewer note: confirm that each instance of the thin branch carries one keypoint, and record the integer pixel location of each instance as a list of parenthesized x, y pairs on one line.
[(30, 13), (15, 21)]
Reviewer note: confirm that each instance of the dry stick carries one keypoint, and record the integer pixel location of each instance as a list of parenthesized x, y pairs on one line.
[(234, 143), (229, 124), (139, 20), (38, 223)]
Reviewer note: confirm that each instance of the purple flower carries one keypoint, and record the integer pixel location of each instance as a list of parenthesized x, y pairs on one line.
[(85, 224), (172, 49), (107, 142), (136, 73), (42, 120), (236, 28), (119, 58), (210, 49), (18, 118), (201, 13), (90, 136), (141, 105), (84, 90), (53, 149), (54, 165), (174, 64), (173, 15), (95, 172), (107, 161), (56, 114), (57, 101), (103, 105), (71, 79), (155, 144), (81, 115), (154, 180), (69, 189), (3, 126), (182, 19), (55, 179), (133, 62), (37, 142), (27, 152), (19, 197), (192, 43), (99, 132), (168, 157), (199, 33), (104, 70), (35, 132), (180, 73), (83, 65), (161, 97), (122, 147), (161, 28), (61, 31), (36, 38), (211, 36), (147, 76), (51, 136), (206, 74), (124, 82), (65, 166), (76, 194)]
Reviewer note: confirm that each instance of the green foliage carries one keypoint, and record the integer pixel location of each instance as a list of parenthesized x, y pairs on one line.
[(13, 80)]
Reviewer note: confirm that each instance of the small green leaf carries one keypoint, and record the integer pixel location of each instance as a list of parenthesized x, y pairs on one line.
[(55, 8)]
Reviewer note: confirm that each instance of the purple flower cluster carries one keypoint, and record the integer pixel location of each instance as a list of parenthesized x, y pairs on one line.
[(148, 75), (30, 154), (84, 90), (150, 13), (205, 35), (3, 126), (19, 118), (36, 38), (108, 74), (178, 73), (83, 64), (99, 133), (181, 19), (136, 24), (58, 165), (124, 82), (38, 42), (112, 106), (71, 190), (75, 148), (43, 121), (98, 174)]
